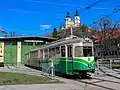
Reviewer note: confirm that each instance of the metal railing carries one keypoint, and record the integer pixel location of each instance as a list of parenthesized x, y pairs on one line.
[(46, 66), (108, 65), (115, 63), (104, 63)]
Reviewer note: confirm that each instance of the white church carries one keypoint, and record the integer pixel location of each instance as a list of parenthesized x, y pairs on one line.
[(69, 22)]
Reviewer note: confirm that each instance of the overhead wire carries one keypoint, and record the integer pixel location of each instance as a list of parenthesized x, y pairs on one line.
[(81, 11), (114, 11), (63, 4), (55, 3), (71, 5), (87, 7)]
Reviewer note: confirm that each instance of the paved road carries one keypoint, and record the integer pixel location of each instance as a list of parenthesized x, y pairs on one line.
[(26, 70), (41, 87), (67, 85)]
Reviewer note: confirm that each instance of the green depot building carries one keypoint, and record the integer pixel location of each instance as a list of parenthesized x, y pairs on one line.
[(12, 49)]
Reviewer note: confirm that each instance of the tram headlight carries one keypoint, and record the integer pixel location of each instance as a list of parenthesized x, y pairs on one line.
[(89, 65)]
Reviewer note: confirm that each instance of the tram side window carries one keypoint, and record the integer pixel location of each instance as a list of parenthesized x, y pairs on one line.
[(46, 53), (69, 48), (62, 51), (87, 51), (40, 54), (53, 52), (57, 52), (78, 51), (50, 53)]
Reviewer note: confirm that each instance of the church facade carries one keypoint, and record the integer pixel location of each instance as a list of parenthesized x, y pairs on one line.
[(71, 23)]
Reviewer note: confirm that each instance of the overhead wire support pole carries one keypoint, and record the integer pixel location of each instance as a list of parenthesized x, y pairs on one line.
[(71, 31)]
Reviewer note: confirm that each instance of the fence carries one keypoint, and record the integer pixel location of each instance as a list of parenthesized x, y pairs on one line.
[(104, 63), (47, 67), (115, 62), (110, 63), (35, 59)]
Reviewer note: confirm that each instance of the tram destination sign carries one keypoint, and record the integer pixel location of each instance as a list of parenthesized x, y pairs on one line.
[(87, 43)]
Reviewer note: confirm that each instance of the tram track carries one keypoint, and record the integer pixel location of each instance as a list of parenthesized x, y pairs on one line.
[(117, 71), (94, 84), (106, 80), (108, 74), (101, 82), (97, 82)]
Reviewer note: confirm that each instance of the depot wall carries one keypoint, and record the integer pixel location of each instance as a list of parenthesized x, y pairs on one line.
[(12, 52)]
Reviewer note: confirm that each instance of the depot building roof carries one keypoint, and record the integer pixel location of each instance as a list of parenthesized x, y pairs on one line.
[(22, 38)]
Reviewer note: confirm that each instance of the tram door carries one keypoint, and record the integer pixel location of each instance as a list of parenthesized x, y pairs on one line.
[(70, 58)]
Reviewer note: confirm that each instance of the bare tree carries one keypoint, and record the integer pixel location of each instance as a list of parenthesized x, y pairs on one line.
[(105, 31)]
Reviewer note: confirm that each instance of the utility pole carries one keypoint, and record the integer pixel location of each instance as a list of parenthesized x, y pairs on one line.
[(104, 36)]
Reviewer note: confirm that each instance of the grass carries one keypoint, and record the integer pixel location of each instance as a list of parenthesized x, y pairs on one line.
[(8, 78)]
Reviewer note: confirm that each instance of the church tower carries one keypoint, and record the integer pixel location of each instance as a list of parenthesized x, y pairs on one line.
[(62, 27), (68, 20), (77, 19)]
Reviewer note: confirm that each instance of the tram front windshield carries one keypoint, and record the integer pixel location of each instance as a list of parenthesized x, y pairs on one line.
[(87, 51), (84, 51)]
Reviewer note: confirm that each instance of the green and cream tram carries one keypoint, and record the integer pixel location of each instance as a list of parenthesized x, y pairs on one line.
[(71, 55)]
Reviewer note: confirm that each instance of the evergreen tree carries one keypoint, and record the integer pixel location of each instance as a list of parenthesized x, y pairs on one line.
[(55, 33)]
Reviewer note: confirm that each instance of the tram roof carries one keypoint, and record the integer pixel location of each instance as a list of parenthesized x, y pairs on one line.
[(21, 38), (67, 40), (63, 41)]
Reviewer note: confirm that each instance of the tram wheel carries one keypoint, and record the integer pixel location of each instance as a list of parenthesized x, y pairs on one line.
[(83, 74)]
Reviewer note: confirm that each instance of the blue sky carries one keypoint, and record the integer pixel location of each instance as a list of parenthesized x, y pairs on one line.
[(39, 17)]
